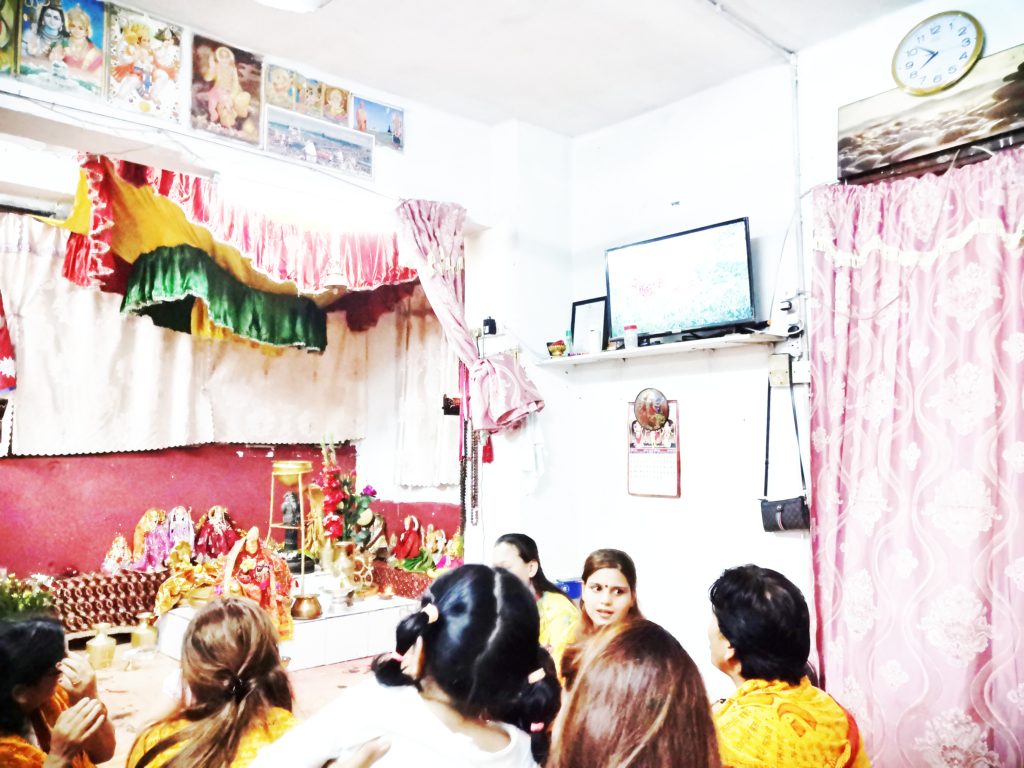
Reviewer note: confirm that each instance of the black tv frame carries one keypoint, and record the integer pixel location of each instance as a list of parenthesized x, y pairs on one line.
[(702, 331)]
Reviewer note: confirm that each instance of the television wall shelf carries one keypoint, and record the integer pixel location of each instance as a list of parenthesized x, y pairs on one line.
[(675, 348)]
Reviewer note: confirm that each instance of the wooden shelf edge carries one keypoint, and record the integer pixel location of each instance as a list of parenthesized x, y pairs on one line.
[(674, 348)]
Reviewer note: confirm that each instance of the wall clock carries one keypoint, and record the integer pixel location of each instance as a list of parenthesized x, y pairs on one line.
[(936, 53)]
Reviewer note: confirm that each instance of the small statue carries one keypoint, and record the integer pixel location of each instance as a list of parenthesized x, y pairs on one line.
[(377, 547), (216, 534), (452, 557), (156, 546), (180, 527), (290, 516), (150, 519), (251, 570), (410, 541), (187, 581), (118, 558)]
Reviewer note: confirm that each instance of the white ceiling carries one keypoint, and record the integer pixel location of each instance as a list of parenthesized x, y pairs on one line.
[(571, 66)]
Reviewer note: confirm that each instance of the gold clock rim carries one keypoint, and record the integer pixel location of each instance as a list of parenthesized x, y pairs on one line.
[(979, 43)]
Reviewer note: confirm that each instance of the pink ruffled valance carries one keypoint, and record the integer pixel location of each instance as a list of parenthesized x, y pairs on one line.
[(938, 215), (315, 260)]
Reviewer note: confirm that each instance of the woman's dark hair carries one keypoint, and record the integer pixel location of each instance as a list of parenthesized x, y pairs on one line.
[(764, 617), (527, 549), (637, 700), (600, 559), (232, 668), (481, 649), (30, 648)]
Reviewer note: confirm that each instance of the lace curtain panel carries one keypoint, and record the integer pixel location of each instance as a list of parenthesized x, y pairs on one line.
[(428, 441), (91, 380), (917, 330), (499, 392)]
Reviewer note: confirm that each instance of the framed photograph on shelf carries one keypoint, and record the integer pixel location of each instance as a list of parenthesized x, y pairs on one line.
[(589, 325)]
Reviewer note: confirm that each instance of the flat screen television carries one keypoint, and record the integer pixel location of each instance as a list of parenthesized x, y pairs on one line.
[(697, 280)]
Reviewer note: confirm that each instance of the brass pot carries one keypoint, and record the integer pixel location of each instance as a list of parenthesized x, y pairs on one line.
[(306, 607)]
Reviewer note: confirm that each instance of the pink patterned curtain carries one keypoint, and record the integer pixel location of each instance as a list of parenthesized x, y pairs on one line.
[(500, 394), (917, 329)]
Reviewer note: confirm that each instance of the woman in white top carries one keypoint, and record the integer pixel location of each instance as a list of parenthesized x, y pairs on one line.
[(465, 666)]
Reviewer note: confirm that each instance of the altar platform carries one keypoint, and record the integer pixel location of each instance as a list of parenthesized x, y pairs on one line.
[(367, 628)]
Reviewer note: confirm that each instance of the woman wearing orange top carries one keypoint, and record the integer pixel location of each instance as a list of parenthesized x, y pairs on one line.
[(50, 716)]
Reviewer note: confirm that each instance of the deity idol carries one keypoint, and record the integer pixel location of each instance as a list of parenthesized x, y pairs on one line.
[(216, 534), (253, 571)]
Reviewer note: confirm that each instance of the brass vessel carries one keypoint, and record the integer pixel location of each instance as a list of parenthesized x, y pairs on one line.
[(306, 607)]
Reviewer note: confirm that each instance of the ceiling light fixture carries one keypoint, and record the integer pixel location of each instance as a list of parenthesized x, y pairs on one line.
[(295, 6)]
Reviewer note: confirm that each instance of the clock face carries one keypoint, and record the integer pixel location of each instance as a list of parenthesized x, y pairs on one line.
[(937, 52)]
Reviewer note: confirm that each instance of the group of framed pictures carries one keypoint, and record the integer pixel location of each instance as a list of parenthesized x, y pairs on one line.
[(159, 69)]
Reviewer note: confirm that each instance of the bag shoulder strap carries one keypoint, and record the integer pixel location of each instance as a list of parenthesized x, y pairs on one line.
[(796, 428)]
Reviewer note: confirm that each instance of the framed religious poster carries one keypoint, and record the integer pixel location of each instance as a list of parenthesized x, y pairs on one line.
[(145, 64), (384, 122), (226, 85), (653, 436), (63, 49), (8, 35), (288, 89)]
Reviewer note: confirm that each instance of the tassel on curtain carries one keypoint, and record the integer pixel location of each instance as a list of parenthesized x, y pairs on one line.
[(499, 393)]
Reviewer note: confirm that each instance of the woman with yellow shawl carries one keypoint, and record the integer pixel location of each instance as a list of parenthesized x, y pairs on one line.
[(760, 637), (559, 617), (50, 716)]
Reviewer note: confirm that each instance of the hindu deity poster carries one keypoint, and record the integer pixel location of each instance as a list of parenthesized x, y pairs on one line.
[(226, 90), (288, 89), (386, 123), (336, 104), (8, 35), (145, 64), (62, 45)]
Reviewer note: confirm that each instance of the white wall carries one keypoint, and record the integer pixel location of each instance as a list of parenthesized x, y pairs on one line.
[(718, 158), (723, 153)]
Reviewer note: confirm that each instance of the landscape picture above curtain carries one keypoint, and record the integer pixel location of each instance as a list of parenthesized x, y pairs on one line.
[(91, 380), (917, 436)]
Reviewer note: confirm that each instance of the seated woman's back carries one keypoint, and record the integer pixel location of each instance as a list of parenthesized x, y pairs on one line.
[(759, 636), (466, 671), (237, 697)]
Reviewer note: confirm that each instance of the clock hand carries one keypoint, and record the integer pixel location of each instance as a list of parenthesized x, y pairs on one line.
[(934, 54), (926, 50)]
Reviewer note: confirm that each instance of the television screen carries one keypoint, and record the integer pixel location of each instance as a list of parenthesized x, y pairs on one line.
[(693, 280)]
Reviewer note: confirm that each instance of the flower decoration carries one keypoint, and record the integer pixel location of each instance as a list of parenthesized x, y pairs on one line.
[(346, 510), (18, 596)]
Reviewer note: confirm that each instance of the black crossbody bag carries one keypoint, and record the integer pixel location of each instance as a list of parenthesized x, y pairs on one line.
[(785, 514)]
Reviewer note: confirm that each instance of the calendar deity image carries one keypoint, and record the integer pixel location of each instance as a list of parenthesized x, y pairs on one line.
[(653, 459)]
